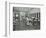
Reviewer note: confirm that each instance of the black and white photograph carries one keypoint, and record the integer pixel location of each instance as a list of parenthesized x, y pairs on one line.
[(26, 18), (23, 19)]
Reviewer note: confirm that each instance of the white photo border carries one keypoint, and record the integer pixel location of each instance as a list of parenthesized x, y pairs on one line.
[(23, 4)]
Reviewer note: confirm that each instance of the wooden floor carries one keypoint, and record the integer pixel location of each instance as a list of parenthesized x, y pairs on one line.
[(23, 26)]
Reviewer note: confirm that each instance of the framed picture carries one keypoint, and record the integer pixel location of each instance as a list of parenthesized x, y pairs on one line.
[(22, 17)]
